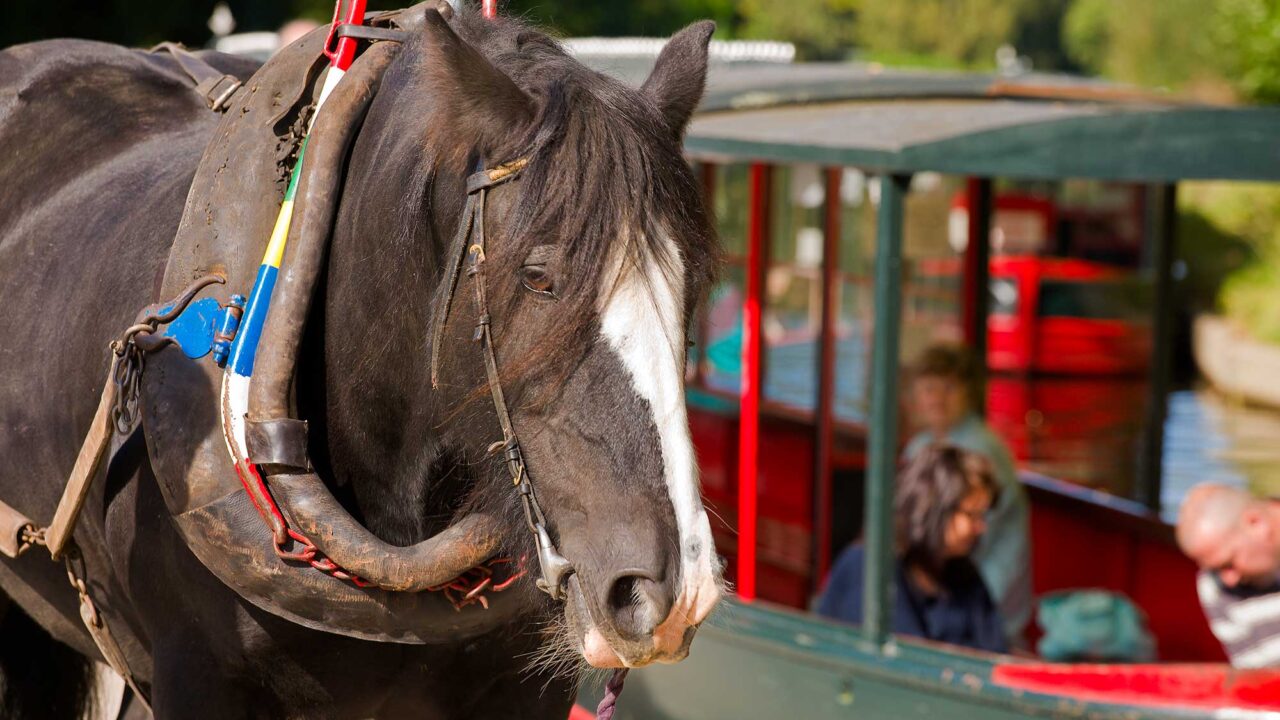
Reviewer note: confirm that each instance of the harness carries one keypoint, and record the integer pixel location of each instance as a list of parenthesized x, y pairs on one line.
[(469, 246), (118, 411)]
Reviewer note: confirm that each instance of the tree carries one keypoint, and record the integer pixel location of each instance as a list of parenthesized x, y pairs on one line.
[(1038, 35), (1162, 43), (656, 18), (1247, 47), (820, 29), (964, 32)]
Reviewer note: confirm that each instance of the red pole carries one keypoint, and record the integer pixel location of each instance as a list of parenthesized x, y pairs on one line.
[(749, 413), (491, 9), (353, 14)]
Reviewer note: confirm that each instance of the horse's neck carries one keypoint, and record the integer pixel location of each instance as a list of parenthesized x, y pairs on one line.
[(381, 415)]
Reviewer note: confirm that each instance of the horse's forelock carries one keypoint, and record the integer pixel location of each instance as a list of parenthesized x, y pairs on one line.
[(605, 176)]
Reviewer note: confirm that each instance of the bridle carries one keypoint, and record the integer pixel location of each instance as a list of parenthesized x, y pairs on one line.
[(469, 245)]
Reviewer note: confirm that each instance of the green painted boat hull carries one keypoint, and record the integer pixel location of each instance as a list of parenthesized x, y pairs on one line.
[(762, 662)]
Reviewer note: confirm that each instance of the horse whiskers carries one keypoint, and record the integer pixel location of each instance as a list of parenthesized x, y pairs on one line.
[(558, 656)]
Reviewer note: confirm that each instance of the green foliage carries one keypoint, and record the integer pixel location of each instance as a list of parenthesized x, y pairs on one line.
[(966, 32), (1247, 36), (1086, 33), (820, 29), (1038, 35), (1240, 233), (130, 22), (1210, 254), (635, 17), (1147, 42)]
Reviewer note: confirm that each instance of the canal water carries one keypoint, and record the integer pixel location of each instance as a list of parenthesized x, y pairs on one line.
[(1212, 437)]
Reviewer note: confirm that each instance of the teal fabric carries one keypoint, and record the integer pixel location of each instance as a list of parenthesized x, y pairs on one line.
[(1003, 556), (1093, 626)]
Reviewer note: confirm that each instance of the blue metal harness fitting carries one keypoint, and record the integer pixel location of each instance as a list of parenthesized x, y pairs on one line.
[(228, 323)]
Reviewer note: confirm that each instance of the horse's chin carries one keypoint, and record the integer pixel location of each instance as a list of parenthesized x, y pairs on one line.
[(597, 651)]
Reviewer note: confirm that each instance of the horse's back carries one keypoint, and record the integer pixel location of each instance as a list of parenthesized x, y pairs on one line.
[(99, 147), (70, 107)]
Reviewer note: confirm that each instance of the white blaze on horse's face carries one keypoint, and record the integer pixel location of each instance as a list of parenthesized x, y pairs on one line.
[(642, 318)]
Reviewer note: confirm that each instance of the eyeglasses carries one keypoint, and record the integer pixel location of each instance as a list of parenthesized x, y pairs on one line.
[(974, 515)]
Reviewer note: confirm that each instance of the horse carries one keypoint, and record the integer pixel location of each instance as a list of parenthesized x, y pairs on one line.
[(597, 253)]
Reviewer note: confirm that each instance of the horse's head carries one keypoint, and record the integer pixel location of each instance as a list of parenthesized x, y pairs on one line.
[(596, 254)]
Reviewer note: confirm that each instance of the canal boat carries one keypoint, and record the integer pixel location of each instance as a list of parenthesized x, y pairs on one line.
[(826, 182)]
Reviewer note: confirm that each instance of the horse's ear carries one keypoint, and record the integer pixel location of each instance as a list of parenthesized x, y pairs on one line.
[(680, 75), (481, 97)]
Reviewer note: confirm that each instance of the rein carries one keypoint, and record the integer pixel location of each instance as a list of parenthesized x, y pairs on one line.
[(469, 245)]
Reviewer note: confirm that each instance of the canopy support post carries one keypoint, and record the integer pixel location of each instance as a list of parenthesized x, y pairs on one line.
[(1159, 227), (977, 281), (823, 441), (749, 396), (883, 432)]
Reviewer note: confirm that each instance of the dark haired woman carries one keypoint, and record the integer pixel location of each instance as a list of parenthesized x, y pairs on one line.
[(940, 507), (944, 394)]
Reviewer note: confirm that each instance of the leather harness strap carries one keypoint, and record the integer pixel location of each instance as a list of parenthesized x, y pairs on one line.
[(215, 86), (87, 462), (369, 32), (19, 534)]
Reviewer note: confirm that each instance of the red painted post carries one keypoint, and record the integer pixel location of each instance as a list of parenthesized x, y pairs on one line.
[(345, 51), (491, 9), (749, 407), (977, 277), (825, 430)]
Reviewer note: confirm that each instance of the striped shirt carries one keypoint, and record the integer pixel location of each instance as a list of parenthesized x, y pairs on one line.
[(1245, 620)]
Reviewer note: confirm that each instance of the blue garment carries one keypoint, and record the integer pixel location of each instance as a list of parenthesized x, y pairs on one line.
[(1004, 554), (962, 614)]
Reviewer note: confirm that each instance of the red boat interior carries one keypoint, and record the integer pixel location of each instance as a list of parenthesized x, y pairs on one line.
[(1080, 538)]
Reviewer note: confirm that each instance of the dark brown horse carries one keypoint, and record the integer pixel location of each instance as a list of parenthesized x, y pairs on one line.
[(598, 253)]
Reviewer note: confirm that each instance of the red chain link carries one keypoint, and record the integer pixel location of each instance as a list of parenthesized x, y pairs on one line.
[(469, 587)]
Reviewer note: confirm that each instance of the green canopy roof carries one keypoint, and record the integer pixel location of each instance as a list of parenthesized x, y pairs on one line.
[(1033, 126)]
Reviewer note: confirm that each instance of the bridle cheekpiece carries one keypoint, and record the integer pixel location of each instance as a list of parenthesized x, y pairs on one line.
[(470, 245)]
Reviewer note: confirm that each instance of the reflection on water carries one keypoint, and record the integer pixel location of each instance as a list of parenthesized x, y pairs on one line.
[(1211, 437)]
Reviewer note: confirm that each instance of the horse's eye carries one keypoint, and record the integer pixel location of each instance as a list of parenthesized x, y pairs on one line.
[(536, 279)]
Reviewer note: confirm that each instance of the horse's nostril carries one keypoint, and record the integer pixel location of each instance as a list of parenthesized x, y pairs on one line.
[(636, 606)]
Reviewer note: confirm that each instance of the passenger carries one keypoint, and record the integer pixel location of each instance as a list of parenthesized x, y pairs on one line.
[(944, 395), (940, 504), (1235, 539)]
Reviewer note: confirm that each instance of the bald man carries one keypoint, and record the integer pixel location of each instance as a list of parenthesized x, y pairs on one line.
[(1235, 539)]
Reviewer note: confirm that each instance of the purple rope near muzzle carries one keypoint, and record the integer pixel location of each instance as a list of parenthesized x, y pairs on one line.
[(612, 689)]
